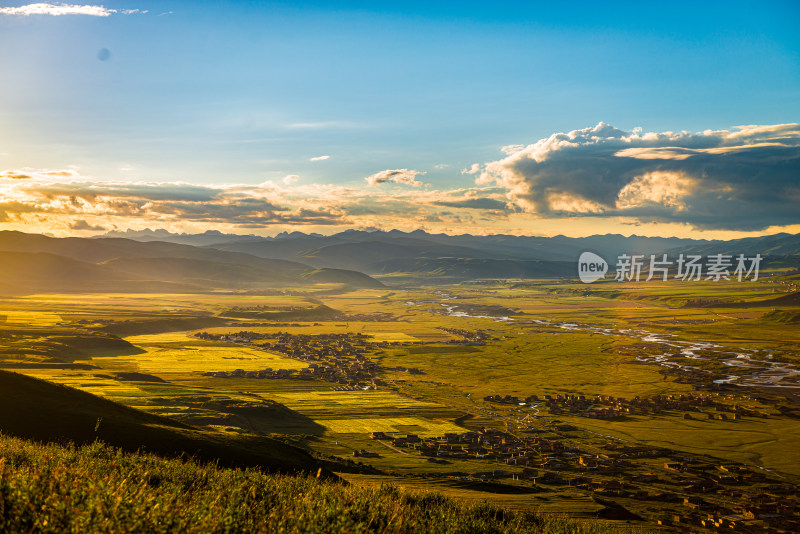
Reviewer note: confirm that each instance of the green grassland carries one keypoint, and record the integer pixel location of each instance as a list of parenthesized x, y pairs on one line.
[(770, 443), (409, 329), (537, 362)]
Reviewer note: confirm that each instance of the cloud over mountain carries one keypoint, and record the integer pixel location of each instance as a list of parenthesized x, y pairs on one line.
[(746, 178)]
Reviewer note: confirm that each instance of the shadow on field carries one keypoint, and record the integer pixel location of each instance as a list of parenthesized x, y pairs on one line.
[(41, 411)]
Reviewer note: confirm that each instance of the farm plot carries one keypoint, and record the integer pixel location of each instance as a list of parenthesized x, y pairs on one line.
[(349, 399), (390, 425), (362, 412), (193, 359), (179, 354), (168, 338), (28, 318)]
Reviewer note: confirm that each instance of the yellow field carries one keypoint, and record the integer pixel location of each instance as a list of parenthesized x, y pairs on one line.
[(347, 399), (397, 425), (159, 339), (392, 337), (90, 383), (195, 359), (29, 318)]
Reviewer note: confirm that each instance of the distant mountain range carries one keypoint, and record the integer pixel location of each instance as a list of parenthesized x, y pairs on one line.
[(469, 256), (209, 237), (770, 245), (334, 250), (32, 262), (156, 260)]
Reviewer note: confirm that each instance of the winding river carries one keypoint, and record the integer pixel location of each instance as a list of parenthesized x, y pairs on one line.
[(763, 370)]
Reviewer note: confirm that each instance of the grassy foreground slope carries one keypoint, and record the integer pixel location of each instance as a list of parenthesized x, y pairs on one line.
[(98, 488), (42, 411)]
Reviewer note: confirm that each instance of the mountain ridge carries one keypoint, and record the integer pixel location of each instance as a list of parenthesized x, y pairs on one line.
[(348, 258)]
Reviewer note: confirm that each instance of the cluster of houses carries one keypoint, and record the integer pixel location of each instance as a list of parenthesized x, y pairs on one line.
[(335, 358), (700, 491), (468, 337), (709, 406), (773, 510), (356, 374), (300, 346), (533, 452)]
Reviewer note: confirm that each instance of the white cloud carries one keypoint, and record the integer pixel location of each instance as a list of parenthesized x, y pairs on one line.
[(290, 179), (572, 203), (511, 149), (473, 169), (59, 9), (745, 178), (657, 187), (319, 158), (398, 176)]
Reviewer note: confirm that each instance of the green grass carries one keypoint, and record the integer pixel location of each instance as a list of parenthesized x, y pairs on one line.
[(769, 443), (535, 360), (97, 488)]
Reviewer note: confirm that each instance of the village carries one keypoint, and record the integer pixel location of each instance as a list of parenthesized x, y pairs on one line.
[(467, 337), (692, 491), (336, 358), (694, 406)]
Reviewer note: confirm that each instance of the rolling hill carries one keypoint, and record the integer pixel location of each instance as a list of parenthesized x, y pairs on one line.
[(470, 268), (35, 263), (41, 411), (353, 279), (207, 272), (26, 272)]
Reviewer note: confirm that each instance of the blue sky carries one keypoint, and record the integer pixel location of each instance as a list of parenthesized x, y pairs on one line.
[(211, 93)]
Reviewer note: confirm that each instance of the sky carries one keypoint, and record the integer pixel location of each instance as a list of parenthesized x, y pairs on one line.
[(526, 118)]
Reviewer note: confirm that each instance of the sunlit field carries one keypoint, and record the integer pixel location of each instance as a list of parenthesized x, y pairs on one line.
[(547, 338)]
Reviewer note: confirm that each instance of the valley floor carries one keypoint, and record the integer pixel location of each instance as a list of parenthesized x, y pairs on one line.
[(632, 404)]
